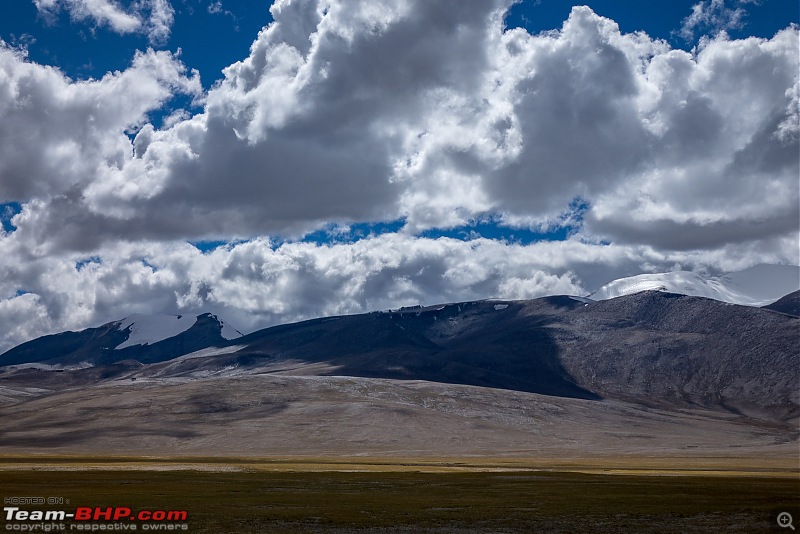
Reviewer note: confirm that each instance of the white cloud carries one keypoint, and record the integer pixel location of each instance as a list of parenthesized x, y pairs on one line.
[(152, 17), (333, 117), (216, 8), (714, 16), (24, 318), (726, 169), (102, 12), (59, 136), (159, 23)]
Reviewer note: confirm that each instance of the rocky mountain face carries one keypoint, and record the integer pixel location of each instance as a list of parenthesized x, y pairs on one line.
[(688, 351), (790, 304)]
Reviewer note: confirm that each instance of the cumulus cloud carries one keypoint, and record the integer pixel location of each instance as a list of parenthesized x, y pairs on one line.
[(430, 112), (353, 111), (151, 17), (727, 167), (58, 135)]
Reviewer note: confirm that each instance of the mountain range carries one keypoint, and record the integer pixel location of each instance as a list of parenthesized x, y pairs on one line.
[(152, 338), (686, 371)]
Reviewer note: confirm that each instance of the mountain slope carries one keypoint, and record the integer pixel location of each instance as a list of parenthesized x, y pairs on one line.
[(471, 343), (789, 304), (664, 348), (261, 415), (756, 286), (651, 348)]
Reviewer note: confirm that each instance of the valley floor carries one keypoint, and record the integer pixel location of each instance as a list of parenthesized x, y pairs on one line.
[(277, 415)]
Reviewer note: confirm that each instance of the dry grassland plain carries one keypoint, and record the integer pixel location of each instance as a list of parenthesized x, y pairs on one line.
[(265, 453), (387, 495)]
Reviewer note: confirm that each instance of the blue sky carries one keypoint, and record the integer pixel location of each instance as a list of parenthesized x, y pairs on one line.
[(209, 41), (659, 18), (360, 157), (212, 41)]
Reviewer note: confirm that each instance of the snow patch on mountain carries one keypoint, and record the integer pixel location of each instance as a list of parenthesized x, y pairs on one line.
[(757, 286), (147, 329), (49, 367)]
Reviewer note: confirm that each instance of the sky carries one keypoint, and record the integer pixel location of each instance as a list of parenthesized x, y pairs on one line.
[(272, 162)]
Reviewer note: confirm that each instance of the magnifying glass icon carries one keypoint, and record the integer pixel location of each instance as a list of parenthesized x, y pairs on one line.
[(785, 520)]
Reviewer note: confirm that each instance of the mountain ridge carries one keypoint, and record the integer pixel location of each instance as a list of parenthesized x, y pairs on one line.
[(108, 343)]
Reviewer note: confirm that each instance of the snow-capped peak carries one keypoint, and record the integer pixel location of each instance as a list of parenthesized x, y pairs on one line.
[(147, 329), (756, 286)]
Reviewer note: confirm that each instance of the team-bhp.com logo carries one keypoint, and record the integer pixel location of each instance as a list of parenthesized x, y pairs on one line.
[(86, 518)]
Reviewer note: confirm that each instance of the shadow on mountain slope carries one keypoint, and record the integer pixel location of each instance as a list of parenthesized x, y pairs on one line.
[(478, 343), (788, 304)]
